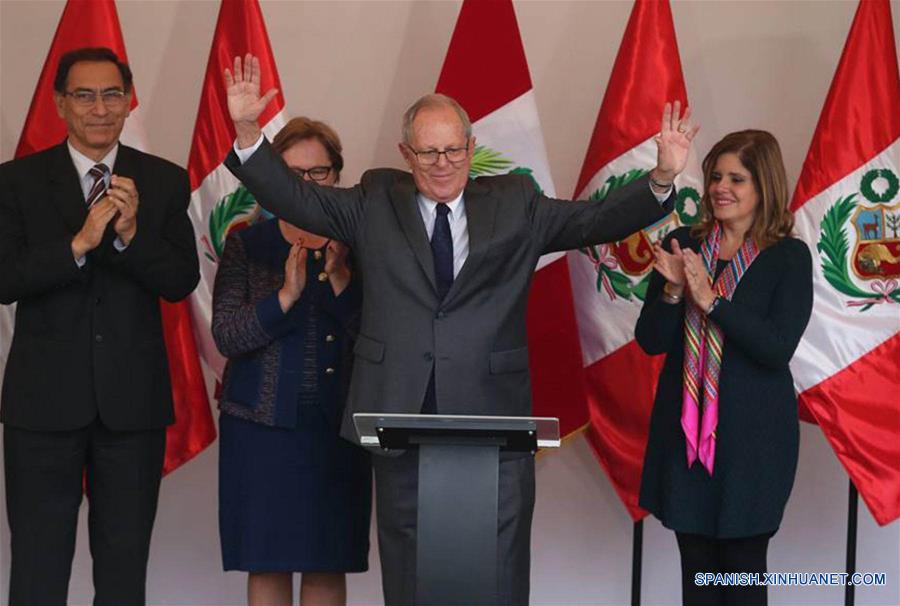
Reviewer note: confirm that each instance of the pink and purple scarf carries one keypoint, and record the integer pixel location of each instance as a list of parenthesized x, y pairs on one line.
[(703, 343)]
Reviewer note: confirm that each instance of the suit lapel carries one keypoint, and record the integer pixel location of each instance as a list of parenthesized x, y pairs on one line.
[(127, 164), (403, 198), (481, 211), (65, 188)]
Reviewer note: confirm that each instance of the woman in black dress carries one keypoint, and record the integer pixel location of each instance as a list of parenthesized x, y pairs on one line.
[(293, 496), (728, 302)]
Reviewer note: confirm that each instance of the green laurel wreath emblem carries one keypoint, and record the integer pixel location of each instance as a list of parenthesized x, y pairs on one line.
[(866, 189), (834, 245), (238, 203)]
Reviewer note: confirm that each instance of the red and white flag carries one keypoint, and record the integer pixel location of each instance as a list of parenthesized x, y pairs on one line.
[(847, 209), (219, 203), (610, 280), (96, 23), (486, 71)]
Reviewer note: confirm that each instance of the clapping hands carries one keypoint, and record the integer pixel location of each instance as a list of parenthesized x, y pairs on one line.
[(336, 266), (294, 276), (684, 269)]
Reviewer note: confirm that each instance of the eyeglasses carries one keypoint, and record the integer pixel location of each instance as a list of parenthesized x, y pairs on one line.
[(430, 157), (112, 97), (316, 173)]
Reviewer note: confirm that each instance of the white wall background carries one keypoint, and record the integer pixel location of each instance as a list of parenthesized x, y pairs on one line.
[(357, 64)]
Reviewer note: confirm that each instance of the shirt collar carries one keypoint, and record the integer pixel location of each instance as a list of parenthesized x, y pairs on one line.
[(427, 205), (83, 164)]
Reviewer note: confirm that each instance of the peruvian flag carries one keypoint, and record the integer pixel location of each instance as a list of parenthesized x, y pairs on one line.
[(847, 209), (219, 203), (96, 23), (610, 280), (499, 99)]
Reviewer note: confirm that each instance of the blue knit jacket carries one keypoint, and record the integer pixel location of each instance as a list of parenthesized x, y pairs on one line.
[(268, 350)]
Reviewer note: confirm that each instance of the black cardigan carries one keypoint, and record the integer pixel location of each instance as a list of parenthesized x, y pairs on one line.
[(758, 430)]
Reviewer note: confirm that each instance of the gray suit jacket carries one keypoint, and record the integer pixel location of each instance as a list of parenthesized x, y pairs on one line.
[(475, 339)]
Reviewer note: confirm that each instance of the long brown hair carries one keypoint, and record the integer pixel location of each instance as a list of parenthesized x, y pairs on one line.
[(300, 128), (760, 154)]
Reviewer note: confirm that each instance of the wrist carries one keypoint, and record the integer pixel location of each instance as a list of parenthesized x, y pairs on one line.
[(286, 299), (672, 293), (126, 236), (342, 274), (247, 133), (79, 246), (674, 289), (662, 178)]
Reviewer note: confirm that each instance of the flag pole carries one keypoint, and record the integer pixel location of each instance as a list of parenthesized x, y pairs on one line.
[(852, 508), (637, 547)]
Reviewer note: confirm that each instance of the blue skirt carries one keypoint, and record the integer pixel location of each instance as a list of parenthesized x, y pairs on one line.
[(292, 500)]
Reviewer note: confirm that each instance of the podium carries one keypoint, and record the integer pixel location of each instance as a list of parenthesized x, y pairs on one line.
[(459, 464)]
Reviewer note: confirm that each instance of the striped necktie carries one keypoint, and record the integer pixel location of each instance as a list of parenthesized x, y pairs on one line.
[(99, 173)]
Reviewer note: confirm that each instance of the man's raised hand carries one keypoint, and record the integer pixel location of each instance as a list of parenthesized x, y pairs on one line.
[(673, 141), (244, 101)]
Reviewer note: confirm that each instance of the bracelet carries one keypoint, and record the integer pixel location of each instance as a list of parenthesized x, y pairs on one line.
[(670, 299), (659, 184), (713, 305)]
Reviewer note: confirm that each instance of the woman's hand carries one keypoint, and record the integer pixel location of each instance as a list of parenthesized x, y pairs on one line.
[(336, 266), (294, 276), (671, 266), (697, 279)]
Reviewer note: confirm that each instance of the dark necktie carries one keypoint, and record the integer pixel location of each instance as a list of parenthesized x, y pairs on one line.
[(442, 250), (98, 172)]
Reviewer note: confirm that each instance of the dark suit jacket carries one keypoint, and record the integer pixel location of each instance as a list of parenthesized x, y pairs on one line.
[(475, 338), (90, 339)]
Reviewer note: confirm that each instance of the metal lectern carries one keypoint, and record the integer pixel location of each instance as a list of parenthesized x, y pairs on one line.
[(459, 459)]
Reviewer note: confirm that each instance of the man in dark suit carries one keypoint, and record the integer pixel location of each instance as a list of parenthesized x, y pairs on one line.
[(92, 233), (446, 265)]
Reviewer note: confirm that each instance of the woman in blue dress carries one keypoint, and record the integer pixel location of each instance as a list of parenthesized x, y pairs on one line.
[(293, 496)]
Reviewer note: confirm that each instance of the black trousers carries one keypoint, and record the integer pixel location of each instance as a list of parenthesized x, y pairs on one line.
[(707, 554), (45, 474), (396, 501)]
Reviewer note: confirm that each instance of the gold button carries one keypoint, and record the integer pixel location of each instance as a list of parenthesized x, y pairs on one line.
[(329, 338), (329, 371), (317, 254), (323, 276)]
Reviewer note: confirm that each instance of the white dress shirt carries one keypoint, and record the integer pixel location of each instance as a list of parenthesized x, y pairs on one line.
[(459, 226), (83, 165)]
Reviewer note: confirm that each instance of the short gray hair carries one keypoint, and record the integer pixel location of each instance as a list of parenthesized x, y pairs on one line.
[(427, 102)]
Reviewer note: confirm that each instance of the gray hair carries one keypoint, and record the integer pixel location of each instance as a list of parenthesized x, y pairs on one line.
[(427, 102)]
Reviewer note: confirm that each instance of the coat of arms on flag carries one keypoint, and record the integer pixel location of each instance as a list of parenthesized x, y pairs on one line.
[(219, 203), (623, 268), (234, 211), (867, 272)]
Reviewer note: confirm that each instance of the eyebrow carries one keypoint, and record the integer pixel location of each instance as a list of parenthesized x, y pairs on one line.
[(102, 90)]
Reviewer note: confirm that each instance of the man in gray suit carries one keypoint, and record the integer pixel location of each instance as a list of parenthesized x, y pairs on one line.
[(446, 264)]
